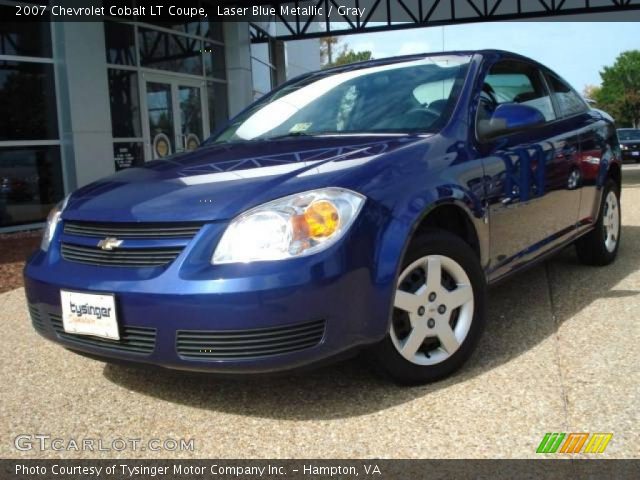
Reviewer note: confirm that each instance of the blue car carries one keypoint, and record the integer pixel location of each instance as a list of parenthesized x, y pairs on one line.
[(360, 208)]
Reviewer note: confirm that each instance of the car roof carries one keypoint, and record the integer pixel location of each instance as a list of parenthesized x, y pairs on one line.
[(418, 56)]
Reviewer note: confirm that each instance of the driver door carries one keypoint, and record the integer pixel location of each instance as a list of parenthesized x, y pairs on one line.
[(532, 197)]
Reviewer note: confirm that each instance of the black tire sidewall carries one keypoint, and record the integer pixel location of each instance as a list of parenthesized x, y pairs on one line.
[(591, 247), (438, 243)]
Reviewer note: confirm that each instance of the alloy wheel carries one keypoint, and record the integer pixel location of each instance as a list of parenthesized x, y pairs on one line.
[(611, 221), (434, 307)]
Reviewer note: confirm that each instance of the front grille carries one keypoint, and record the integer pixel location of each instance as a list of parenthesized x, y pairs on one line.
[(142, 256), (36, 318), (254, 343), (132, 230), (122, 257), (137, 340)]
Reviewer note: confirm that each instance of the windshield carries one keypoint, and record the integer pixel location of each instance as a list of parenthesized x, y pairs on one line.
[(629, 134), (415, 96)]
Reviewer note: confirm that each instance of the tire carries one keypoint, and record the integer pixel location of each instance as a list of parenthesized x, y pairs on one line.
[(600, 246), (462, 281)]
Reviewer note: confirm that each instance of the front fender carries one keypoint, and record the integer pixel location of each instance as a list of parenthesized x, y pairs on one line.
[(400, 229)]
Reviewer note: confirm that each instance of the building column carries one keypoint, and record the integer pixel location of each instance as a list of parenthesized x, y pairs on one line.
[(280, 61), (237, 45), (83, 89)]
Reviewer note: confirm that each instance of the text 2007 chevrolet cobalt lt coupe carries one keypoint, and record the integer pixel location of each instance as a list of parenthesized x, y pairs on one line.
[(361, 207)]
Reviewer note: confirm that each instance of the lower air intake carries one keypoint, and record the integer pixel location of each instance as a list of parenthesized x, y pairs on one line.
[(246, 344)]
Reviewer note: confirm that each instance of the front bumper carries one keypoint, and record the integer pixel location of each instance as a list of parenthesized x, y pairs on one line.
[(320, 306)]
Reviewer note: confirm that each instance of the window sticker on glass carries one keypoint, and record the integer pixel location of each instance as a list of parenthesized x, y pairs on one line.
[(300, 127)]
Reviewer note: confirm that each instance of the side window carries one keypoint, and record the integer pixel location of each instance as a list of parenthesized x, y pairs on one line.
[(568, 101), (518, 82)]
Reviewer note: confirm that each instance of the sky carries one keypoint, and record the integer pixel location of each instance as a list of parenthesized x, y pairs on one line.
[(576, 51)]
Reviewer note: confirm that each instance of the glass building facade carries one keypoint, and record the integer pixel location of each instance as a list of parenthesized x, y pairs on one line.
[(82, 100), (31, 180), (263, 67), (167, 87)]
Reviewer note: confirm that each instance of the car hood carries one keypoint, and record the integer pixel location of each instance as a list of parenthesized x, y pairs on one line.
[(630, 142), (219, 182)]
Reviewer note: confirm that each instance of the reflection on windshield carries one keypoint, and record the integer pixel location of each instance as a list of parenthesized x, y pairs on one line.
[(629, 134), (405, 97)]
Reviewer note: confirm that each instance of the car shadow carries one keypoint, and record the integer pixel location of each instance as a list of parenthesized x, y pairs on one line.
[(516, 324)]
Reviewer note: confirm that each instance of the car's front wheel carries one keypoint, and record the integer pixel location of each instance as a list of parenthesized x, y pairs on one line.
[(438, 312)]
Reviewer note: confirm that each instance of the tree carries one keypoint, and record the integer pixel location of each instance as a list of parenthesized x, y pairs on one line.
[(326, 49), (620, 91), (591, 92), (329, 47), (348, 56)]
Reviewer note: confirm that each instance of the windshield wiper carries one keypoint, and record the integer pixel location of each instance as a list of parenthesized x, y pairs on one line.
[(289, 135)]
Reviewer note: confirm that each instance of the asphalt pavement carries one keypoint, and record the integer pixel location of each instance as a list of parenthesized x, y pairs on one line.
[(560, 354)]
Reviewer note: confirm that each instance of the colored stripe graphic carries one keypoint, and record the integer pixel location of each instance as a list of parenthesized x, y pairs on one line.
[(574, 443), (598, 442), (550, 443)]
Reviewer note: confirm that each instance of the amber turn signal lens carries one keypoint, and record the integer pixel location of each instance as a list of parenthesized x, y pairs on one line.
[(322, 219)]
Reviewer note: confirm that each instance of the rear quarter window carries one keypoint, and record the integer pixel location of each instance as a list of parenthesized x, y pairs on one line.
[(568, 102)]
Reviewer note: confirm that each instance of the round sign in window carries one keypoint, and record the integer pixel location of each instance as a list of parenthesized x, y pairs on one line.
[(192, 142), (161, 146)]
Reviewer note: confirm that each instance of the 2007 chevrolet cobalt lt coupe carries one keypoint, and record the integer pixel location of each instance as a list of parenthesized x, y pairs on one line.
[(361, 207)]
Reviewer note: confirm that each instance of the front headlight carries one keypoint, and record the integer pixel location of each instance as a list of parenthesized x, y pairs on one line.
[(52, 223), (292, 226), (623, 147)]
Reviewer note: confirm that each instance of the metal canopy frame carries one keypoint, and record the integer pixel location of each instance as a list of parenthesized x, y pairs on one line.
[(385, 15)]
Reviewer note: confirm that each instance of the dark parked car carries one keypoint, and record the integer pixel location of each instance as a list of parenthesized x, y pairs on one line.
[(365, 207), (15, 189), (630, 143)]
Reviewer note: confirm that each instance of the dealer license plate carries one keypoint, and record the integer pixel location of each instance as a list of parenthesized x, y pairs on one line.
[(89, 314)]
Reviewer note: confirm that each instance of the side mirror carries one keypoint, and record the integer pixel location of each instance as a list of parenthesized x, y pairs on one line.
[(510, 118)]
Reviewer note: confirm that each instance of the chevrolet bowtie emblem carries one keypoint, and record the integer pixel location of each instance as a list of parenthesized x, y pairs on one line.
[(109, 243)]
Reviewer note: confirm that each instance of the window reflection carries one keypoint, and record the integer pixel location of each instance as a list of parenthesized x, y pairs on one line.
[(262, 78), (261, 51), (160, 119), (213, 30), (127, 155), (35, 119), (192, 27), (191, 116), (214, 63), (262, 64), (30, 183), (120, 43), (166, 51), (28, 39), (125, 105), (218, 109)]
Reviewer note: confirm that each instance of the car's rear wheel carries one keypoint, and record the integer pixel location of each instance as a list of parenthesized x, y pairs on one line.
[(438, 313), (600, 246)]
